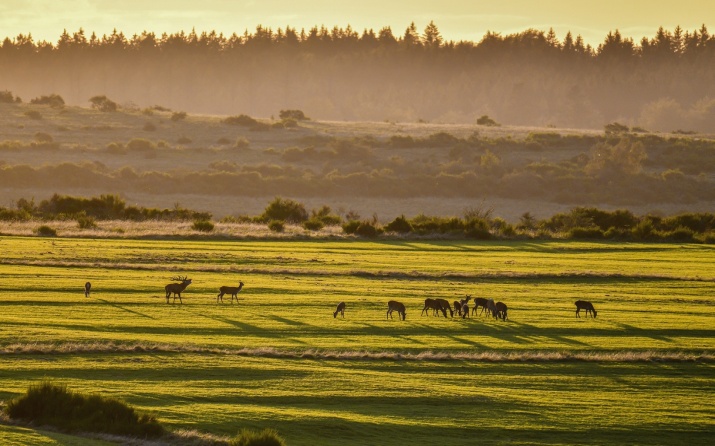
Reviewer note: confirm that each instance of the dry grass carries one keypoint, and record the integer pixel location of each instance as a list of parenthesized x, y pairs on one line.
[(622, 356)]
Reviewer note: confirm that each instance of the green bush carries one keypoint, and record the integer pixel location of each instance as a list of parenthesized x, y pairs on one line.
[(400, 225), (681, 234), (487, 121), (586, 233), (54, 405), (85, 222), (325, 216), (286, 210), (53, 100), (46, 231), (368, 229), (103, 103), (276, 226), (203, 226), (266, 437), (351, 226), (296, 115), (477, 229), (314, 224), (178, 116), (241, 120)]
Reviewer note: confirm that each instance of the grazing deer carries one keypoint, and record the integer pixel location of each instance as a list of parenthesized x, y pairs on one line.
[(584, 305), (433, 305), (491, 308), (465, 310), (501, 310), (479, 302), (177, 288), (340, 309), (87, 287), (445, 306), (393, 305), (233, 290), (457, 307)]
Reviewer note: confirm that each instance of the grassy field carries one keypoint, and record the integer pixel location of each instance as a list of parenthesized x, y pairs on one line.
[(641, 372)]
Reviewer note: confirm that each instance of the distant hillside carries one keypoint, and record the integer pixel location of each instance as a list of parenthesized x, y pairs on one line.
[(234, 165), (665, 83)]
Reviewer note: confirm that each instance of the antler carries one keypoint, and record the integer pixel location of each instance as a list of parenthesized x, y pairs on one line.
[(180, 278)]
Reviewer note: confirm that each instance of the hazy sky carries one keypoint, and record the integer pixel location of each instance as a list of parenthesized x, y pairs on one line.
[(457, 20)]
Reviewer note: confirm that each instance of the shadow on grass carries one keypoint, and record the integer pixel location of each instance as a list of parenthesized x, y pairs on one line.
[(125, 309)]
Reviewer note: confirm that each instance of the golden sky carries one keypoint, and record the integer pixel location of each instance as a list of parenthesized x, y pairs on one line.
[(456, 19)]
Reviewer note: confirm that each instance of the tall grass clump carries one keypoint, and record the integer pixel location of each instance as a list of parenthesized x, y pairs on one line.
[(54, 405), (46, 231), (203, 226), (266, 437)]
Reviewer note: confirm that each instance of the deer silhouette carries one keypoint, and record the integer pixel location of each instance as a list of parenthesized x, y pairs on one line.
[(177, 288), (233, 290)]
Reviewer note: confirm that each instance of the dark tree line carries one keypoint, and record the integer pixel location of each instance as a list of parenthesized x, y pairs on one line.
[(532, 77)]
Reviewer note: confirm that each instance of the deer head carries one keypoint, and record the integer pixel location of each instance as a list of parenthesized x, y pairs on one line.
[(182, 279)]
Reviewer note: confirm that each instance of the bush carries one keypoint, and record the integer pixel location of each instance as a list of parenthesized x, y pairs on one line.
[(43, 137), (178, 116), (276, 226), (149, 127), (140, 145), (289, 123), (400, 225), (351, 226), (184, 140), (202, 226), (285, 210), (46, 231), (614, 128), (586, 233), (266, 437), (296, 115), (6, 97), (53, 100), (241, 120), (242, 143), (314, 224), (368, 229), (325, 216), (85, 222), (487, 121), (681, 234), (54, 405), (103, 103), (477, 229), (33, 114)]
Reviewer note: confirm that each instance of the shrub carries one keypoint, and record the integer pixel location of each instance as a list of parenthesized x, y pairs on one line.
[(53, 100), (184, 140), (615, 127), (351, 226), (103, 103), (149, 127), (140, 145), (644, 230), (178, 116), (285, 210), (314, 224), (276, 226), (46, 231), (325, 216), (586, 233), (242, 143), (266, 437), (86, 222), (400, 225), (223, 141), (289, 123), (477, 229), (6, 97), (54, 405), (296, 115), (487, 121), (33, 114), (202, 226), (241, 120), (681, 234), (368, 229)]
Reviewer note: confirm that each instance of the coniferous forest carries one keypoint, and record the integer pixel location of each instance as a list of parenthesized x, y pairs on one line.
[(533, 77)]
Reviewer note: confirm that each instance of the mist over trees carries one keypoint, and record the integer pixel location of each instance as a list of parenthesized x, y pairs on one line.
[(529, 78)]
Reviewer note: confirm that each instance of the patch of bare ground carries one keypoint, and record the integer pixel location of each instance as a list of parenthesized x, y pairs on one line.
[(615, 356)]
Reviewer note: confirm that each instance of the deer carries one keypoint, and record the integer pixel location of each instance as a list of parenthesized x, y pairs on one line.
[(233, 290), (87, 287), (445, 306), (585, 305), (433, 305), (465, 310), (479, 302), (491, 308), (393, 305), (340, 309), (177, 288), (501, 310)]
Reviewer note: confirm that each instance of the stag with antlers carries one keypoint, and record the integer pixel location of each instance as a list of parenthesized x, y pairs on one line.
[(177, 288)]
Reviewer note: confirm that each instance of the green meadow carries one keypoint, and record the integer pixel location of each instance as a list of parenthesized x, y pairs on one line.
[(642, 372)]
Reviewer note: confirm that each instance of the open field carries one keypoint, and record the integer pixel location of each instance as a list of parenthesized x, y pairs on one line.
[(641, 372)]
